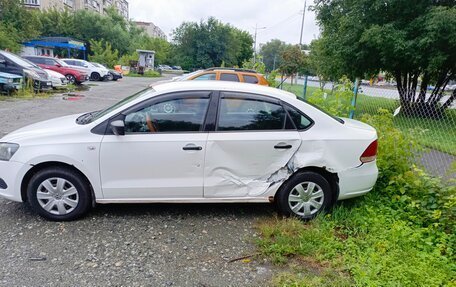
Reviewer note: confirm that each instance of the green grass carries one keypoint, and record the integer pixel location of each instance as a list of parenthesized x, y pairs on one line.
[(437, 134), (147, 74)]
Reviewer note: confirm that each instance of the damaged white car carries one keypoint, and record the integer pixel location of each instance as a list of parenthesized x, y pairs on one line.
[(191, 141)]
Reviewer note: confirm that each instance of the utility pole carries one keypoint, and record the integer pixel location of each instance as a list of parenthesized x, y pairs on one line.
[(302, 24), (255, 47)]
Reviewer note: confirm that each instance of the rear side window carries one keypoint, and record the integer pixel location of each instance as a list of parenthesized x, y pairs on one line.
[(300, 121), (250, 79), (229, 77), (238, 114)]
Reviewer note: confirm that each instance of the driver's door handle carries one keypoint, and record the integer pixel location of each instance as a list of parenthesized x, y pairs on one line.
[(283, 146), (192, 147)]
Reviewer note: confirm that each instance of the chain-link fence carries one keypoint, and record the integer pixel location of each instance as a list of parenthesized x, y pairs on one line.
[(436, 133)]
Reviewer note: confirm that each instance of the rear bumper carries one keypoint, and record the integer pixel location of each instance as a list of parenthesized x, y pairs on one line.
[(11, 174), (357, 181)]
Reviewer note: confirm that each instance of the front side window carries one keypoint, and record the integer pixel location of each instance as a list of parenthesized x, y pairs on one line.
[(238, 114), (229, 77), (206, 77), (183, 114)]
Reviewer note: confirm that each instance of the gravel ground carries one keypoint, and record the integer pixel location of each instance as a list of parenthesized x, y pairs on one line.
[(125, 245)]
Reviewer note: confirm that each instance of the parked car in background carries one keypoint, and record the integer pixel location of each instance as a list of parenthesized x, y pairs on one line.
[(176, 68), (72, 74), (226, 74), (113, 75), (164, 68), (58, 80), (192, 141), (13, 64), (10, 82), (96, 73)]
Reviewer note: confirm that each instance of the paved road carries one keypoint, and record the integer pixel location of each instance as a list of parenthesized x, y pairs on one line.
[(124, 245)]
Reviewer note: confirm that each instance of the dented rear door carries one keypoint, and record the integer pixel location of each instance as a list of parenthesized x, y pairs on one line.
[(250, 145)]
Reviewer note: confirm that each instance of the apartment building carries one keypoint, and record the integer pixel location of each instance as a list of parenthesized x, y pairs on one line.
[(151, 29), (98, 6)]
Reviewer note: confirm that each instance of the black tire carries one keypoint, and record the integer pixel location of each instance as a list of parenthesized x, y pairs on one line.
[(71, 79), (71, 179), (308, 200), (109, 77), (95, 76)]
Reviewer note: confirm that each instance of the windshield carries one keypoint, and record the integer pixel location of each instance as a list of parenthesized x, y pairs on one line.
[(19, 61), (187, 76), (61, 63), (93, 116), (98, 65)]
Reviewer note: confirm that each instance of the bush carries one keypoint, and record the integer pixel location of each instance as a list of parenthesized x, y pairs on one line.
[(338, 103)]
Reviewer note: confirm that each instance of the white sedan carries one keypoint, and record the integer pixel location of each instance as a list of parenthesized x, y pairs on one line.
[(191, 141), (58, 80)]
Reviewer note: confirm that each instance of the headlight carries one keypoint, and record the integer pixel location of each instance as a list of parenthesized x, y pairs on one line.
[(7, 150), (10, 81)]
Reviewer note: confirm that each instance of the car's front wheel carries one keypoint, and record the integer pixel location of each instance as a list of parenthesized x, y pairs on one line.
[(304, 195), (95, 76), (59, 194), (71, 79)]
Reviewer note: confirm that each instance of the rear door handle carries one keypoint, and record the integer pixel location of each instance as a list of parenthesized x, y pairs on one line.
[(192, 147), (283, 146)]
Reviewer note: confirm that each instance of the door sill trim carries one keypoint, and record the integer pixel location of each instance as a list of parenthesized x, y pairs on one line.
[(184, 200)]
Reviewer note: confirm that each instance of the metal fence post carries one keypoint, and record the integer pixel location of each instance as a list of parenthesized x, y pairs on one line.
[(305, 87), (355, 96)]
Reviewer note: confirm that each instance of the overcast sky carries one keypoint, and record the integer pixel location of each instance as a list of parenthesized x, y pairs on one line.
[(282, 18)]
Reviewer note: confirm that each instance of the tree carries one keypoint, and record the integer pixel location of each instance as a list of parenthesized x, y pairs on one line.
[(17, 22), (414, 43), (272, 53), (103, 53), (293, 61), (210, 43)]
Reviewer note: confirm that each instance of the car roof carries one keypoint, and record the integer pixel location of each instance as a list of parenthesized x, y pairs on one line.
[(222, 86)]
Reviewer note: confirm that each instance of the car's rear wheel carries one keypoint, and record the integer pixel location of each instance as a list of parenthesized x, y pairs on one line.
[(71, 79), (304, 195), (95, 77), (59, 194)]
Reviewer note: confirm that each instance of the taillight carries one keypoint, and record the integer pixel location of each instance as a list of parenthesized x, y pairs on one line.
[(370, 154)]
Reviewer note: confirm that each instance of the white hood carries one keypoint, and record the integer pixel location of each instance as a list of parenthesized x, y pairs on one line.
[(51, 128)]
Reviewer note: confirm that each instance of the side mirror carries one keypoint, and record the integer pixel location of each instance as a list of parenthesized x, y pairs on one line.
[(118, 127), (58, 65), (86, 66)]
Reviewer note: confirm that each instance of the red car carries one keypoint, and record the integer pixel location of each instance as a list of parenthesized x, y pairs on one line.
[(73, 75)]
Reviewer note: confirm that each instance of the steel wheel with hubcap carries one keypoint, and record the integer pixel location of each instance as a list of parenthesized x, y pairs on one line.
[(306, 199), (304, 195), (59, 194)]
